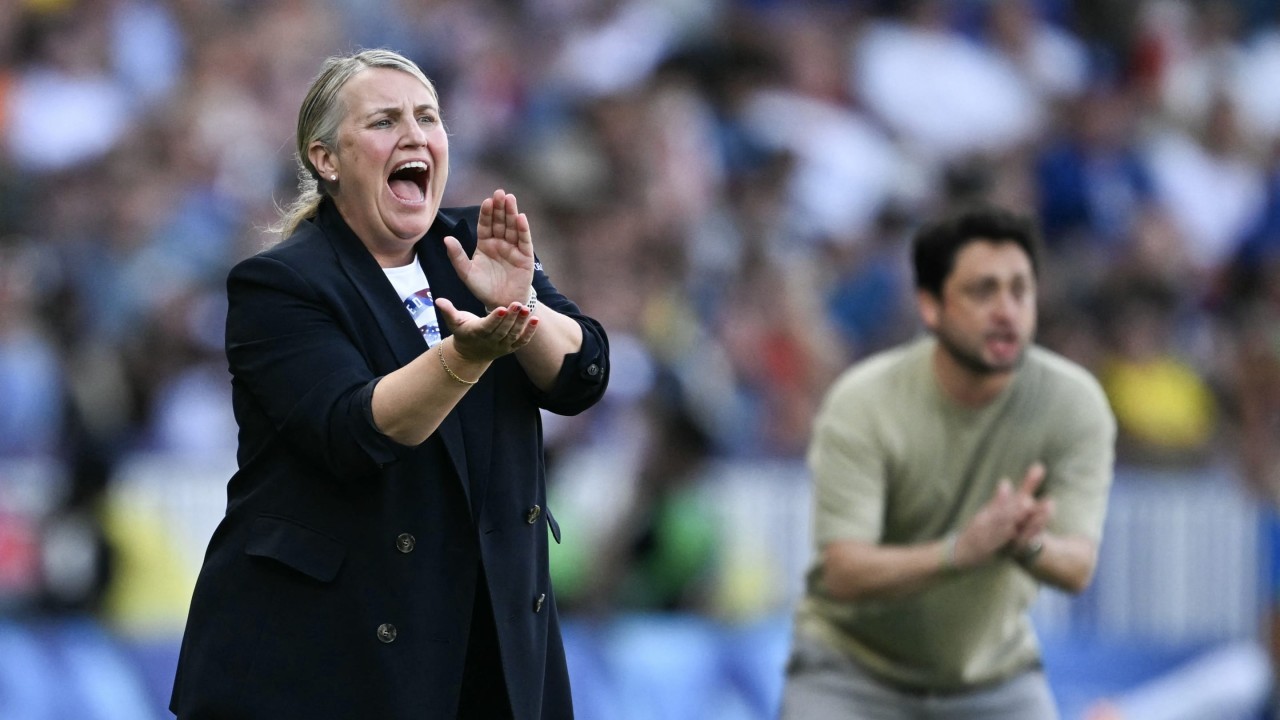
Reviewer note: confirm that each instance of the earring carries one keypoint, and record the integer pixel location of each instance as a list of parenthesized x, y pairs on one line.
[(333, 178)]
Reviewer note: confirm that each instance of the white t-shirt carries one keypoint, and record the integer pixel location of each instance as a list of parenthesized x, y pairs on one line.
[(411, 285)]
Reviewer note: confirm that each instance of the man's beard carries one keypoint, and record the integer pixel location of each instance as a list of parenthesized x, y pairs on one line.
[(973, 361)]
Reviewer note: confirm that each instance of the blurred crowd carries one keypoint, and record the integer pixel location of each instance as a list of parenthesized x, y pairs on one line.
[(728, 185)]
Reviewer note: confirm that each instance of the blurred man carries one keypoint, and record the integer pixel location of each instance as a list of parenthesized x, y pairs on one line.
[(951, 476)]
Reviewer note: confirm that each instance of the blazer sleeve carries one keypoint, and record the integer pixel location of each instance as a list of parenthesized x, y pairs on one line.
[(302, 370), (584, 376)]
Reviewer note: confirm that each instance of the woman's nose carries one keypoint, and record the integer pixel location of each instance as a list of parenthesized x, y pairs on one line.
[(414, 136)]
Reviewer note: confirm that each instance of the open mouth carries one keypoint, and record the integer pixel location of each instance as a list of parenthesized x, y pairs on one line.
[(408, 181), (1003, 344)]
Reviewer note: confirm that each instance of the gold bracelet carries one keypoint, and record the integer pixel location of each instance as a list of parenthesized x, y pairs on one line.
[(445, 365)]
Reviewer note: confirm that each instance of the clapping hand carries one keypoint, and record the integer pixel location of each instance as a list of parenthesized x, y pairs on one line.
[(500, 272), (1009, 520), (504, 330), (1036, 514)]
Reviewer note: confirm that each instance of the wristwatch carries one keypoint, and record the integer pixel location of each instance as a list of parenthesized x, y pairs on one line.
[(531, 303), (1027, 555)]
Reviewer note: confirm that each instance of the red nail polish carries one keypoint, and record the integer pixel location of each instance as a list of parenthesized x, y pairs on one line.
[(502, 312)]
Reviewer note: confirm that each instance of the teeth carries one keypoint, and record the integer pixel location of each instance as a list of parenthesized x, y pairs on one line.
[(411, 165)]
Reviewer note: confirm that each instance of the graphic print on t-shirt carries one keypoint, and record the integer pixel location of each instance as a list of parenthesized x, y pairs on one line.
[(410, 283), (423, 310)]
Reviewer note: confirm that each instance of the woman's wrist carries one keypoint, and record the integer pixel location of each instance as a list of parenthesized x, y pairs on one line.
[(457, 362), (530, 302)]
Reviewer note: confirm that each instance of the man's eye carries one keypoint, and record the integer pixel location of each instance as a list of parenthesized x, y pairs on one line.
[(427, 119)]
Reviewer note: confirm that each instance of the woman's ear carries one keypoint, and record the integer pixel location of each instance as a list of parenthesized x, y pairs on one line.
[(322, 159)]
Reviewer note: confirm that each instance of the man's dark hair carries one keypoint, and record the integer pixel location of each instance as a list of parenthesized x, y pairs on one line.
[(936, 244)]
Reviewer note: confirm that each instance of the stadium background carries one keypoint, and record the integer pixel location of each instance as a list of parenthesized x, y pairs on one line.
[(728, 186)]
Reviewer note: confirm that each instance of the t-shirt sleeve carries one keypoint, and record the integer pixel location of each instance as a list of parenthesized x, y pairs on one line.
[(848, 471), (1083, 465)]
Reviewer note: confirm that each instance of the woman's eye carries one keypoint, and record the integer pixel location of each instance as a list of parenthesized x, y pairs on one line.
[(427, 119)]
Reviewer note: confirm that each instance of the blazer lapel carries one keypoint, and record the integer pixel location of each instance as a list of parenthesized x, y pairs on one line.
[(445, 283), (397, 326), (393, 320)]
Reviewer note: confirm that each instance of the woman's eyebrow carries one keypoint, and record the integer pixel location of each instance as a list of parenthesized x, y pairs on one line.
[(395, 109)]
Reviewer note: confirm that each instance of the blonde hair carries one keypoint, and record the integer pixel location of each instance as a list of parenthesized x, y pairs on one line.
[(318, 120)]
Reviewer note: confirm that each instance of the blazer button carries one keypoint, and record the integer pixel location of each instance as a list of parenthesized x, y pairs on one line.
[(532, 516), (405, 542), (538, 603), (387, 633), (593, 370)]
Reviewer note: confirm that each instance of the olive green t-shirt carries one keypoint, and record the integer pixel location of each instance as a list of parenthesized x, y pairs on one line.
[(895, 461)]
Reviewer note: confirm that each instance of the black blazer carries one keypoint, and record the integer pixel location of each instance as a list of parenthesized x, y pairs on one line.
[(341, 581)]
